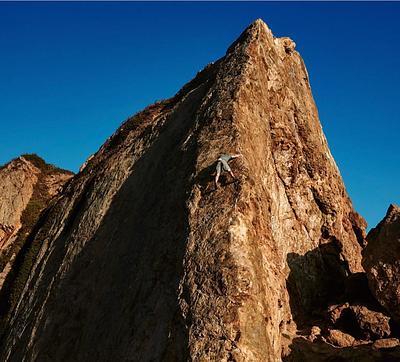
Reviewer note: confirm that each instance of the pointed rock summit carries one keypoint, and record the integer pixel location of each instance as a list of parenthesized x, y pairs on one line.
[(142, 259)]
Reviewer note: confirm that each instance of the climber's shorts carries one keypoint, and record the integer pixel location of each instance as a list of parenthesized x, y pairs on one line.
[(223, 165)]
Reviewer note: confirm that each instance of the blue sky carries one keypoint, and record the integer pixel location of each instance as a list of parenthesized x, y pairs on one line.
[(72, 72)]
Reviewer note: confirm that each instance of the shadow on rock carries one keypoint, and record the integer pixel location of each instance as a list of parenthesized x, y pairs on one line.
[(323, 293), (316, 279), (358, 292)]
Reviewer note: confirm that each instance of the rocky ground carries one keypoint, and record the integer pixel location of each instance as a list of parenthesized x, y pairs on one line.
[(364, 326), (142, 259)]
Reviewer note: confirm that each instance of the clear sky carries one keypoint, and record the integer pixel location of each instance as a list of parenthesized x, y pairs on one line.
[(70, 73)]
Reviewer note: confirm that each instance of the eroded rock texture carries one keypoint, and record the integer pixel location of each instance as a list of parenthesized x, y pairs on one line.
[(143, 260), (381, 260)]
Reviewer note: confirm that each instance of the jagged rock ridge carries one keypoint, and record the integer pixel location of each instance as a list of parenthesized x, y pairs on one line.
[(142, 259)]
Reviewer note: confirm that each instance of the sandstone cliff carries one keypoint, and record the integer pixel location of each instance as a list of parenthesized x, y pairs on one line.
[(142, 259)]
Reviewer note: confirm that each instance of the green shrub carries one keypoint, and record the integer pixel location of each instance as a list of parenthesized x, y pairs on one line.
[(42, 165)]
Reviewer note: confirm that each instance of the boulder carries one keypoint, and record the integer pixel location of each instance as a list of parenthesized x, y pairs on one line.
[(339, 338), (335, 311), (314, 333), (381, 261), (386, 343), (363, 323)]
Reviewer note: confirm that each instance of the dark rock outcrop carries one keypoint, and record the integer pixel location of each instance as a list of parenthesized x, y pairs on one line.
[(381, 260), (363, 323)]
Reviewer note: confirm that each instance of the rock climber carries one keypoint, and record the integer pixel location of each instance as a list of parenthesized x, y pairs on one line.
[(222, 165)]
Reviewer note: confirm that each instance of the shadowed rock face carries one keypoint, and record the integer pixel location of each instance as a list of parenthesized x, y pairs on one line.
[(142, 259), (381, 260)]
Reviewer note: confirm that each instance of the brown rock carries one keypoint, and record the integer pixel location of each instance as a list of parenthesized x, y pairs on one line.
[(142, 259), (17, 180), (361, 342), (363, 323), (27, 184), (314, 333), (386, 343), (381, 260), (335, 311), (83, 166), (339, 338), (304, 350)]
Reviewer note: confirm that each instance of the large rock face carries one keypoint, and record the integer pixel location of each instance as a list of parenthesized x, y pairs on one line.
[(381, 260), (143, 260)]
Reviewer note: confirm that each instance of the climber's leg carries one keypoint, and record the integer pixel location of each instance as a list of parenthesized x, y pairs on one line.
[(227, 168), (218, 173)]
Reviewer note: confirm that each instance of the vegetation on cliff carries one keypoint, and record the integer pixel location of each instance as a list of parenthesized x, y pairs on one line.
[(23, 249)]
